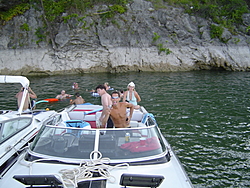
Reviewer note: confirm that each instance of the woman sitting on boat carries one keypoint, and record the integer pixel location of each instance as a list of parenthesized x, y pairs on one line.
[(131, 95)]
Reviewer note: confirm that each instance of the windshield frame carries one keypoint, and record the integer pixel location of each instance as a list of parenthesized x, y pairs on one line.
[(98, 135)]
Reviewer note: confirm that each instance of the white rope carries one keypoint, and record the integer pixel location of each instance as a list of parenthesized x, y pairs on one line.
[(87, 169)]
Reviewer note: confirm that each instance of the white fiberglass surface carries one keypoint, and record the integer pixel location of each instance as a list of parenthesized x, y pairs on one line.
[(78, 143)]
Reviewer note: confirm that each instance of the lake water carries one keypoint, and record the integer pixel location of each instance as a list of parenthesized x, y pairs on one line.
[(205, 115)]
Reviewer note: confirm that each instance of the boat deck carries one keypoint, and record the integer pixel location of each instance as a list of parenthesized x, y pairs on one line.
[(91, 114)]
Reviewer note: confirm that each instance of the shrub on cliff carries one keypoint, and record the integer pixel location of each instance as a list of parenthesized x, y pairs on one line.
[(224, 12)]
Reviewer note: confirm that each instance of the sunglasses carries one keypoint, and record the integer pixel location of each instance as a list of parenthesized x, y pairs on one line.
[(115, 97)]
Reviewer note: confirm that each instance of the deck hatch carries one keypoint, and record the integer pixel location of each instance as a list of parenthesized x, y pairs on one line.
[(141, 180), (49, 180)]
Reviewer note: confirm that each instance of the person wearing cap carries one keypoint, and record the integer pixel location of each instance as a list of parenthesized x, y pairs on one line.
[(131, 95)]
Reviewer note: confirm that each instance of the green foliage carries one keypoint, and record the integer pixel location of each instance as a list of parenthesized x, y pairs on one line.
[(53, 9), (236, 40), (160, 45), (158, 4), (79, 6), (68, 17), (156, 37), (80, 19), (168, 51), (40, 34), (162, 49), (114, 9), (25, 27), (18, 9), (216, 31), (223, 12), (118, 9), (107, 15), (248, 28)]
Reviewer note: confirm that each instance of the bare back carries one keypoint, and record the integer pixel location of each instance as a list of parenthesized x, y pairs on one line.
[(106, 100), (78, 100), (19, 98), (30, 94), (106, 103)]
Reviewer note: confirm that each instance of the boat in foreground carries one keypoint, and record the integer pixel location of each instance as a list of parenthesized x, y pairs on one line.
[(18, 128), (69, 151)]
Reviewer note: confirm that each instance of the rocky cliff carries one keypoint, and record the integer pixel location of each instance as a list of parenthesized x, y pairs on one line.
[(141, 39)]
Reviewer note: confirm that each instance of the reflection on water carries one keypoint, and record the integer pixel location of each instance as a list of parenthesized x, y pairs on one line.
[(204, 115)]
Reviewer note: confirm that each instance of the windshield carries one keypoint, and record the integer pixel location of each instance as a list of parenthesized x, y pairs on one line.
[(9, 128), (78, 143)]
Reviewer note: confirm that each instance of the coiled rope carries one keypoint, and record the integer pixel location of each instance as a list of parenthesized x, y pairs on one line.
[(87, 169)]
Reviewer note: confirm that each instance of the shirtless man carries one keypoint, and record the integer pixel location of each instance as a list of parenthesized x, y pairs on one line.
[(30, 94), (63, 95), (77, 100), (106, 103), (118, 111)]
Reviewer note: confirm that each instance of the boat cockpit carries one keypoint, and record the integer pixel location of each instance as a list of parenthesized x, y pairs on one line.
[(78, 143), (73, 135)]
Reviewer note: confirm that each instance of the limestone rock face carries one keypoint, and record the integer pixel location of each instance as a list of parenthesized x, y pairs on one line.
[(142, 39)]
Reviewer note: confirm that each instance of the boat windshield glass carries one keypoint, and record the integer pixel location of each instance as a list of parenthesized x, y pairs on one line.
[(13, 126), (78, 143)]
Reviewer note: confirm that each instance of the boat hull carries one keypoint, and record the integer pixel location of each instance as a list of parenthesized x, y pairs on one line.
[(70, 143), (172, 172), (17, 128)]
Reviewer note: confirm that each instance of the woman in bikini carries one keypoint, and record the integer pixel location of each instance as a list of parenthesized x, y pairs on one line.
[(132, 96)]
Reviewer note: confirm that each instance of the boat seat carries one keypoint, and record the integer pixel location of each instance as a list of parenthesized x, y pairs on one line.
[(70, 138), (79, 115), (73, 115), (107, 145), (59, 144), (86, 143), (137, 115), (76, 124), (141, 125), (133, 124)]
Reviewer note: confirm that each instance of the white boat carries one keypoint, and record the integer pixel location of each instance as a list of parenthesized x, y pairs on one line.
[(69, 152), (17, 128)]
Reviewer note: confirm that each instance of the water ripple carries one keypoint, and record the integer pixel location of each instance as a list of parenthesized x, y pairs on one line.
[(204, 115)]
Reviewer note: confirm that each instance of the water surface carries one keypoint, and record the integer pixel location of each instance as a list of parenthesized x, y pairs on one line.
[(204, 115)]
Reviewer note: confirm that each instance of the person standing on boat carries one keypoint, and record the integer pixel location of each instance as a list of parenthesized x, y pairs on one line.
[(106, 104), (118, 112), (63, 95), (77, 100), (132, 96), (27, 104)]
